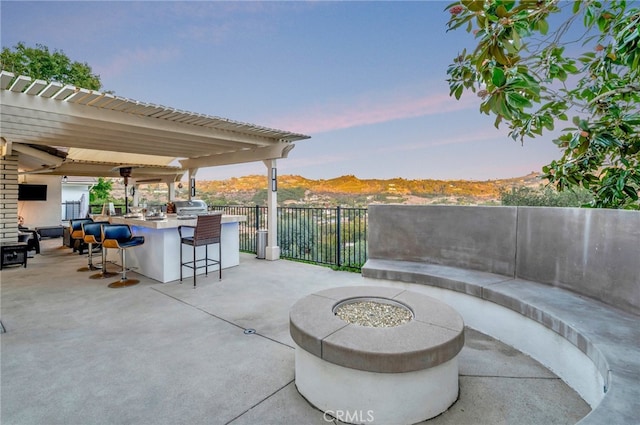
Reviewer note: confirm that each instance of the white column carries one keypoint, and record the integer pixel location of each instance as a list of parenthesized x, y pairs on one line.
[(172, 190), (273, 250)]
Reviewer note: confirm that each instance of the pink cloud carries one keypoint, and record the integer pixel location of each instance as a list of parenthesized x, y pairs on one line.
[(332, 117)]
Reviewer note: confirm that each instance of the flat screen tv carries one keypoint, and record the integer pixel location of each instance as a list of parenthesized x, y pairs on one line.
[(32, 192)]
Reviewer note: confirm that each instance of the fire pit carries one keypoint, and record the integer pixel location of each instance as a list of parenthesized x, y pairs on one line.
[(368, 354), (373, 312)]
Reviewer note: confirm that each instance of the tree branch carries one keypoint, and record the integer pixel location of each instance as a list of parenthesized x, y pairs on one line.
[(620, 90)]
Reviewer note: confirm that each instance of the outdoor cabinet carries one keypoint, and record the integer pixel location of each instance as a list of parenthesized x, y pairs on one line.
[(15, 253)]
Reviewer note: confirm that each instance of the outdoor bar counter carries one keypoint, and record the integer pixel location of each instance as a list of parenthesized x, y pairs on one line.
[(159, 256)]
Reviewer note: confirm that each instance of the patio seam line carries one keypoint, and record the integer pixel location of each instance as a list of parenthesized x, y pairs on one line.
[(200, 309), (261, 401), (220, 318), (550, 378)]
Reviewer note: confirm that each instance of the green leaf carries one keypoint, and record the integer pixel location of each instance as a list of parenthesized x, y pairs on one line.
[(570, 68), (631, 192), (543, 27), (518, 101), (458, 92), (498, 77), (576, 6), (583, 125), (474, 5), (498, 54), (517, 42)]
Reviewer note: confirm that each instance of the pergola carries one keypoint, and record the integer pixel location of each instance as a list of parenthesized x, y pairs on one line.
[(66, 130)]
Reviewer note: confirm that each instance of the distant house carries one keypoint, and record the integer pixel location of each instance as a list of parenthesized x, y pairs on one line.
[(75, 196)]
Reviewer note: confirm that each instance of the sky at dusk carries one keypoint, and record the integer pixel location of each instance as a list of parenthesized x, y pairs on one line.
[(366, 80)]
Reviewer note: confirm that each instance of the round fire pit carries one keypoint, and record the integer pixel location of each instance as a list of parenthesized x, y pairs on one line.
[(368, 354)]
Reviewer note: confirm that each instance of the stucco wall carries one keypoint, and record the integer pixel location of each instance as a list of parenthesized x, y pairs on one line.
[(478, 238), (592, 252), (42, 213)]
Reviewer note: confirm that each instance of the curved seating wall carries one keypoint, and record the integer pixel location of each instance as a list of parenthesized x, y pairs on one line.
[(560, 284)]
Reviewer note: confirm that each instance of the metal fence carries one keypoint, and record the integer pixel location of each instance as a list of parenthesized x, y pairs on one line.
[(256, 220), (71, 210), (332, 236)]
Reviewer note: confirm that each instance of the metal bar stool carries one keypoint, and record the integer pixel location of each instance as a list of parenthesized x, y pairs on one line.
[(77, 236), (206, 232), (93, 234), (92, 237), (120, 236)]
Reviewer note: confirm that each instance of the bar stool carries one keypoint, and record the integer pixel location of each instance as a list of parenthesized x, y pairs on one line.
[(77, 236), (120, 236), (206, 232), (92, 237)]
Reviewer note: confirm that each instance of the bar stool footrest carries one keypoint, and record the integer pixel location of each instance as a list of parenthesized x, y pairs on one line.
[(124, 283)]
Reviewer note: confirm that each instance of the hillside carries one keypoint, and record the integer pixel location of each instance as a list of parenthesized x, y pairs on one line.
[(351, 191)]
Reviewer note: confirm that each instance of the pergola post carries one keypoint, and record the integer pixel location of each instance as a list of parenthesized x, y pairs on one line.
[(273, 250), (171, 196)]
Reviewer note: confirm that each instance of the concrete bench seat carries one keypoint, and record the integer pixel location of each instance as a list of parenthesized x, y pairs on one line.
[(609, 337), (542, 319)]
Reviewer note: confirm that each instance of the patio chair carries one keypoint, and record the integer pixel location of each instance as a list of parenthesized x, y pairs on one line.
[(77, 234), (119, 236), (92, 237), (31, 237), (207, 231)]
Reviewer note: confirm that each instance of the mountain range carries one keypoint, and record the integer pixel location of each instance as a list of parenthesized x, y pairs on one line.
[(352, 191)]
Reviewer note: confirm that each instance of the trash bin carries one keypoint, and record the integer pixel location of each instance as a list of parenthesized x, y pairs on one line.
[(261, 244)]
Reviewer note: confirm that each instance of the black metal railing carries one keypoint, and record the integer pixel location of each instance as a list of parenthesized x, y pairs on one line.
[(71, 210), (256, 220), (331, 236)]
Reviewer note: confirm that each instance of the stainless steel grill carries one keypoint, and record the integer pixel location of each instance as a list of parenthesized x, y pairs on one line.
[(193, 207)]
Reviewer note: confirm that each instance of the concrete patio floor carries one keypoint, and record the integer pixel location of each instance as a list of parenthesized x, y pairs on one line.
[(78, 352)]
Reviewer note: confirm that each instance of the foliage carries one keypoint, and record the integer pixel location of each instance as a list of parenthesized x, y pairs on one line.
[(101, 191), (39, 63), (284, 194), (545, 196), (350, 269), (298, 236), (527, 76)]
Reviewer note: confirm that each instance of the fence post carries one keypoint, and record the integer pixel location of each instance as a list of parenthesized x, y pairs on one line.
[(257, 217), (338, 236)]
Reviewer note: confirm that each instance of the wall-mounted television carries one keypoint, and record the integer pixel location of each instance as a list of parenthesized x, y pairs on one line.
[(32, 192)]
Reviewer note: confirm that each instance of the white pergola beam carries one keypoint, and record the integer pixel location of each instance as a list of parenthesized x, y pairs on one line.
[(35, 129), (20, 83), (51, 89), (239, 157), (36, 87)]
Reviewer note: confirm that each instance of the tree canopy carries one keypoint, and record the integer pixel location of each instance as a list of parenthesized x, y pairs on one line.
[(39, 63), (530, 76), (101, 191)]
